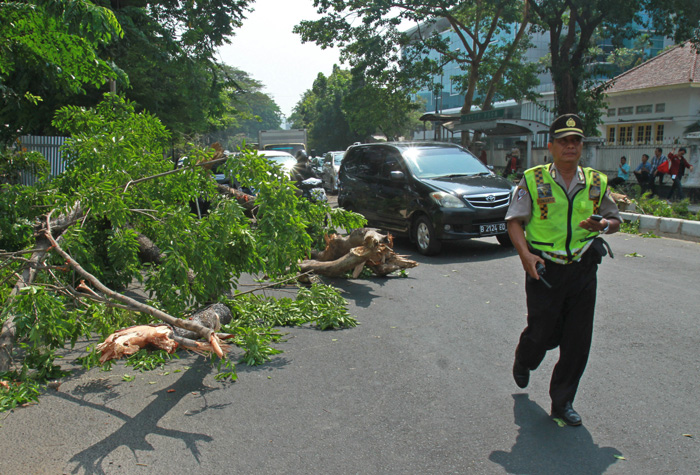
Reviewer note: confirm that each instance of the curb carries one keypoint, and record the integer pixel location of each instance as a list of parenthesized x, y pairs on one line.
[(672, 227)]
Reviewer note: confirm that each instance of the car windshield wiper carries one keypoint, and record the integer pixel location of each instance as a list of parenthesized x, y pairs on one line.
[(456, 175)]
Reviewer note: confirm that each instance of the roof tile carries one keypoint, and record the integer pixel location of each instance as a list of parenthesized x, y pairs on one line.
[(678, 65)]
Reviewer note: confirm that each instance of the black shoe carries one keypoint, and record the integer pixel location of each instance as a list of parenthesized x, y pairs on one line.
[(567, 414), (521, 374)]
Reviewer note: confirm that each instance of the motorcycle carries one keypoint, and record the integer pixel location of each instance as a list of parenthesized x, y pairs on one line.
[(312, 189)]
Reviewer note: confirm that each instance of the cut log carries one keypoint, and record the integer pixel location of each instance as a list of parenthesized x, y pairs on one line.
[(337, 246), (371, 249), (246, 201), (212, 317), (164, 337), (130, 340)]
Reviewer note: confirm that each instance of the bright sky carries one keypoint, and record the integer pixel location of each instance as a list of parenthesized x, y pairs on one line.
[(267, 50)]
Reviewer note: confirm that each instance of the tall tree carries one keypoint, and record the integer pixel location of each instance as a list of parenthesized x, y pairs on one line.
[(573, 25), (491, 36), (321, 111), (161, 54), (169, 54), (48, 49), (370, 108), (250, 110)]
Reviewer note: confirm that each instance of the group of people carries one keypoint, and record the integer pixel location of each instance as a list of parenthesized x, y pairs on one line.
[(648, 171)]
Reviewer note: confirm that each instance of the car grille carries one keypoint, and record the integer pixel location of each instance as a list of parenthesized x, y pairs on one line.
[(488, 200)]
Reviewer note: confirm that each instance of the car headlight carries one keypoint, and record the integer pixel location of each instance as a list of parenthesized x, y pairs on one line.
[(447, 200)]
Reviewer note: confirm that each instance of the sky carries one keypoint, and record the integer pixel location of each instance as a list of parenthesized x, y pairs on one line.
[(269, 52)]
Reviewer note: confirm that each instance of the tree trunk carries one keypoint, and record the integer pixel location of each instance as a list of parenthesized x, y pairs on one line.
[(363, 247)]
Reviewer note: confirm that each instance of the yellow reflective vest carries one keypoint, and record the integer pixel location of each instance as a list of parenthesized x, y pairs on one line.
[(553, 228)]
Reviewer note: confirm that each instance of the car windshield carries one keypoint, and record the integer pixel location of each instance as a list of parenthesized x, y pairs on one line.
[(337, 158), (287, 161), (434, 162)]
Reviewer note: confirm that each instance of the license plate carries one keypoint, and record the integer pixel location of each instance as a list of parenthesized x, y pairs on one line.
[(491, 229)]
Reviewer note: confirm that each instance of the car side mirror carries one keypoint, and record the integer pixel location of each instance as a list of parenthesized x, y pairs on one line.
[(397, 175)]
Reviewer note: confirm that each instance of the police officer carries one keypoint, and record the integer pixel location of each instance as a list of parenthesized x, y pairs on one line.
[(554, 221)]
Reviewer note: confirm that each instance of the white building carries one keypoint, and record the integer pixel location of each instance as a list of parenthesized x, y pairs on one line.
[(655, 102)]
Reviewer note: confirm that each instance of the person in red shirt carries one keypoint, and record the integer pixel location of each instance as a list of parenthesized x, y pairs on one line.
[(677, 170)]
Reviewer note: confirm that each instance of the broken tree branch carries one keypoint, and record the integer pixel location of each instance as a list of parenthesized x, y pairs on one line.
[(207, 334)]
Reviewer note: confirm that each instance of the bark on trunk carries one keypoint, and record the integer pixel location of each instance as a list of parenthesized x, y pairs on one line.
[(164, 337), (363, 247)]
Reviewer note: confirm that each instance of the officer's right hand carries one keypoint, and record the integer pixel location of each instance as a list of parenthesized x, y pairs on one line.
[(529, 262)]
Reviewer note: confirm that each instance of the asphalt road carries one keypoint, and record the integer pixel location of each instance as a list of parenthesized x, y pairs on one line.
[(423, 385)]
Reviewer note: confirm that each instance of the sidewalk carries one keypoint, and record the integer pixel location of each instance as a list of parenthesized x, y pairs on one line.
[(669, 227)]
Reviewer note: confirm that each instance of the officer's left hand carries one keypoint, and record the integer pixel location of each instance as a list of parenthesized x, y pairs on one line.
[(593, 225)]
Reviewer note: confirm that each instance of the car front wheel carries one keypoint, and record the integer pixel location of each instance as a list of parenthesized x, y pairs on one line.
[(424, 237), (504, 240)]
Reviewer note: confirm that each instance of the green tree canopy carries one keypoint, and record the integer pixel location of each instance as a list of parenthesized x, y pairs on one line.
[(250, 110), (49, 49), (573, 26), (160, 54), (320, 110), (490, 34)]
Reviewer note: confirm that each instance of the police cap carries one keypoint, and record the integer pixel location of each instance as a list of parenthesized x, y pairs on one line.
[(565, 125)]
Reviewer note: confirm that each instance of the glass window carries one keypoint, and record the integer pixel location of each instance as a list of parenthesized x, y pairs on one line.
[(612, 112), (644, 133), (625, 111), (645, 109), (625, 135), (611, 135), (661, 108), (432, 162), (392, 163), (660, 133), (372, 158)]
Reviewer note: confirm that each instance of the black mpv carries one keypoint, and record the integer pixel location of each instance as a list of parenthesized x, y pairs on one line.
[(429, 191)]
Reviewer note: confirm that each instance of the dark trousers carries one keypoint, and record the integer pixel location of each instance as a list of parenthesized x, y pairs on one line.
[(652, 179), (643, 179), (676, 188), (561, 316), (617, 181)]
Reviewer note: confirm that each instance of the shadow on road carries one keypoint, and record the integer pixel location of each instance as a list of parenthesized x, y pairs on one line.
[(135, 430), (470, 250), (543, 447)]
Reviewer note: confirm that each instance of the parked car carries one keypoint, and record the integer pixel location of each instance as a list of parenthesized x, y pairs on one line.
[(431, 192), (316, 164), (329, 171), (285, 159)]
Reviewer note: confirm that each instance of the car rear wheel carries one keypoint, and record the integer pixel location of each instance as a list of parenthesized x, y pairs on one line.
[(424, 237), (504, 240)]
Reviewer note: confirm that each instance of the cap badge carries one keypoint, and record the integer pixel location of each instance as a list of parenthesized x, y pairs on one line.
[(571, 122)]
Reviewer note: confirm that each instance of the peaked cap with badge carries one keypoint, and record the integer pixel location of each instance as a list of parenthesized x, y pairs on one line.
[(565, 125)]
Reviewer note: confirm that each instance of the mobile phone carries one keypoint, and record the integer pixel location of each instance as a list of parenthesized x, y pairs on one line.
[(540, 271), (596, 217)]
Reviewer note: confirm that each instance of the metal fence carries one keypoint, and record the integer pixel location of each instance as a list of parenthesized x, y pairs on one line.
[(607, 157), (49, 147)]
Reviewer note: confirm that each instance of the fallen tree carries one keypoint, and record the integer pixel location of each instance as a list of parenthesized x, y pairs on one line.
[(120, 214)]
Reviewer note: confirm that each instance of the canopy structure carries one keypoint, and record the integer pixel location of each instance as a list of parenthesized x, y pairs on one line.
[(492, 123)]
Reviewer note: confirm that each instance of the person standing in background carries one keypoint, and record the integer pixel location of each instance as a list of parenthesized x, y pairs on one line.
[(658, 159), (677, 170)]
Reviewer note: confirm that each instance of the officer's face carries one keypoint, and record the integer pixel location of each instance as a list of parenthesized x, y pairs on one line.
[(566, 149)]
